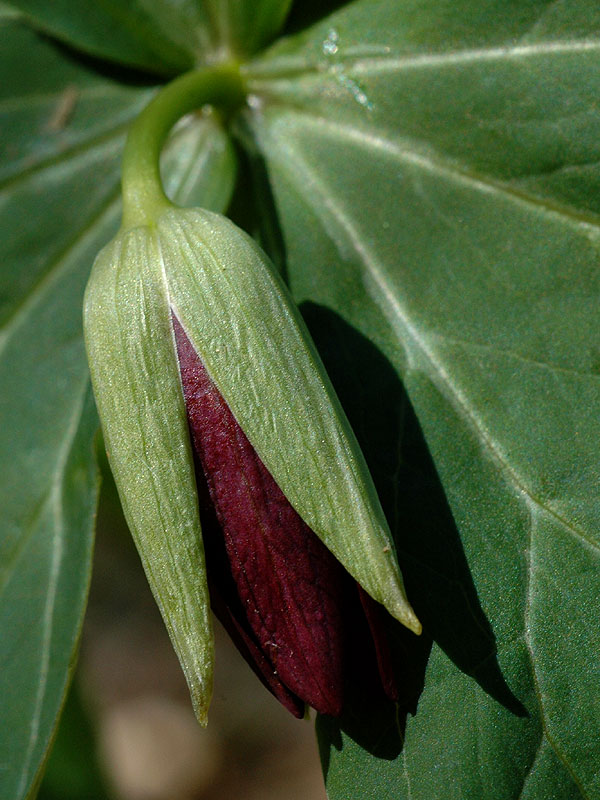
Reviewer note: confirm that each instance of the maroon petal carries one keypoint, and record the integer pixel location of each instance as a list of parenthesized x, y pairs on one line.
[(227, 606), (288, 583), (247, 644)]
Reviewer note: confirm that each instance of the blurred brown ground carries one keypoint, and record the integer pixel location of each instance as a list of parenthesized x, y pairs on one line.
[(150, 744)]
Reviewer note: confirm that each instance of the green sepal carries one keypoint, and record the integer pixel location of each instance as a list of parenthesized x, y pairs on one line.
[(239, 316), (137, 385)]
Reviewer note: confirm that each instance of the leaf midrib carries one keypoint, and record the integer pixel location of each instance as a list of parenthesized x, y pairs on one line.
[(352, 59)]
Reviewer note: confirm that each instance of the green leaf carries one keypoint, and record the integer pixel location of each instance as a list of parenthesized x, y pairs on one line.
[(73, 771), (242, 27), (63, 132), (163, 37), (435, 171), (199, 164), (7, 11)]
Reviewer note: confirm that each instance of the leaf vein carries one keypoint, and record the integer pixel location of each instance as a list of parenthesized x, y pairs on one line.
[(530, 650), (478, 55), (353, 58), (53, 272), (511, 354), (11, 180), (22, 102)]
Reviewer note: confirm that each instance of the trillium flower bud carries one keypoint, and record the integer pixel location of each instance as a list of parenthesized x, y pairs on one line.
[(207, 383), (187, 321)]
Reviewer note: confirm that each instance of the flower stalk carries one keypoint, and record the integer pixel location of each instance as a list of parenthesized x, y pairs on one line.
[(143, 193)]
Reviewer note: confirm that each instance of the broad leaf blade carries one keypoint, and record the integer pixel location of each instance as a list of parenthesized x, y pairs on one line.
[(434, 168), (59, 203), (162, 37)]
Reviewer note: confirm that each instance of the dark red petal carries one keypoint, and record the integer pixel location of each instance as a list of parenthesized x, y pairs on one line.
[(246, 643), (227, 606), (289, 584), (373, 613)]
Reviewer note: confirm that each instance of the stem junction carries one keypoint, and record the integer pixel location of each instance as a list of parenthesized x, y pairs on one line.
[(143, 193)]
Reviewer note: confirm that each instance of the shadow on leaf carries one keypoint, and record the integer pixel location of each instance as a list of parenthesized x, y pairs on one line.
[(437, 576), (106, 68), (310, 12)]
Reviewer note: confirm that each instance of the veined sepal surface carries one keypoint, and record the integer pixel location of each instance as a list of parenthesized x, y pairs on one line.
[(136, 382), (239, 317)]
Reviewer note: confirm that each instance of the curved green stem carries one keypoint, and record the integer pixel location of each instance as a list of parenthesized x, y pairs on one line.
[(143, 193)]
